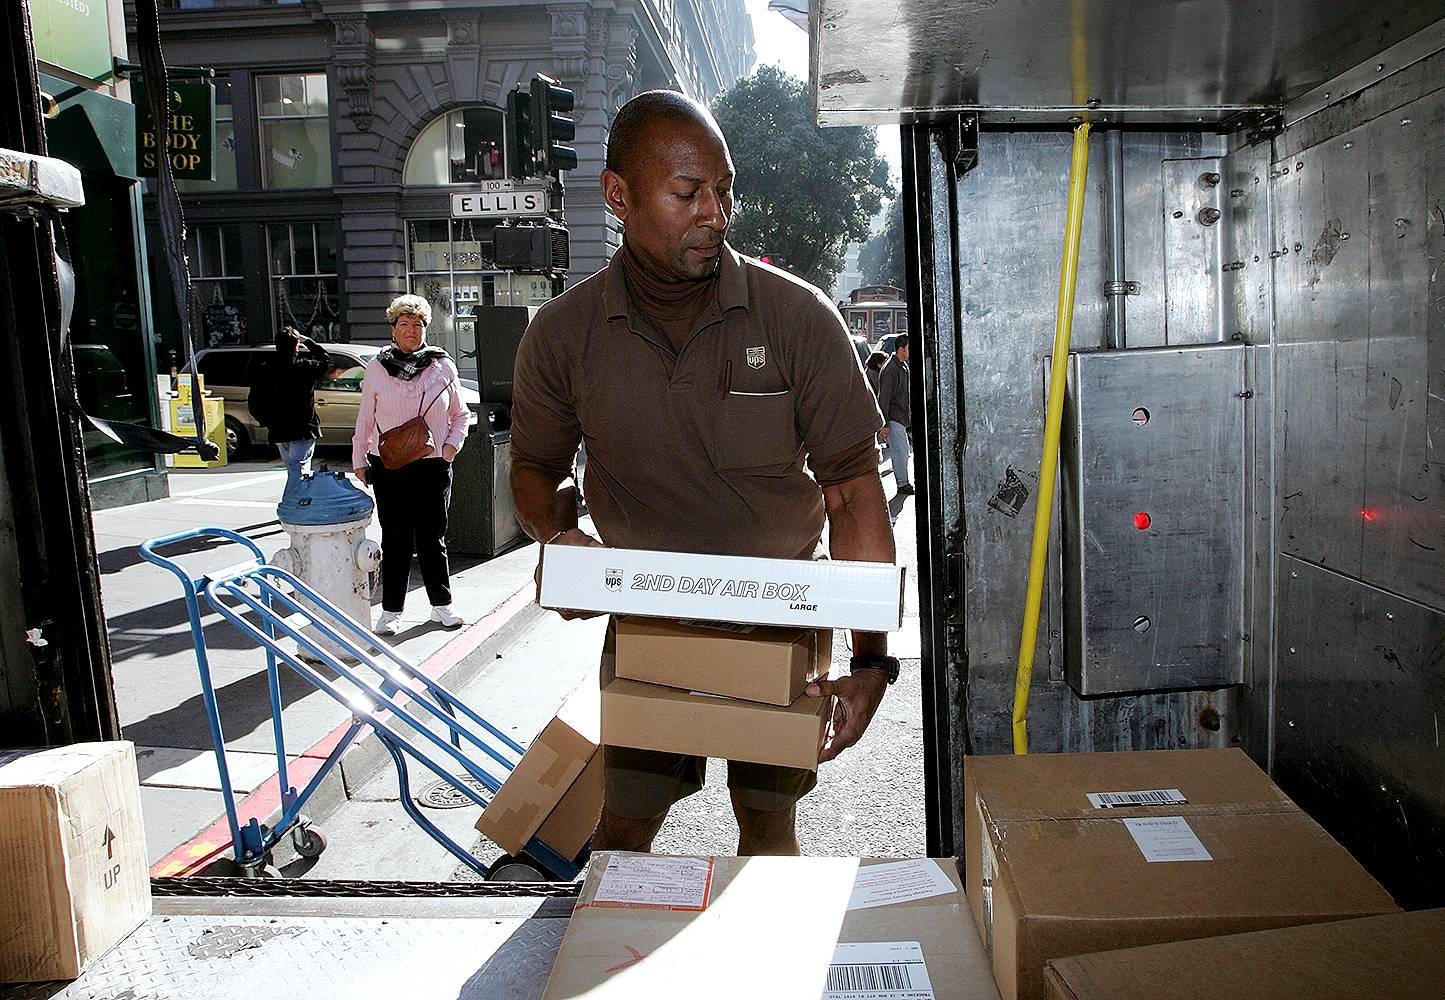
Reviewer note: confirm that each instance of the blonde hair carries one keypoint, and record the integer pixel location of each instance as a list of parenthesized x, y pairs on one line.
[(409, 305)]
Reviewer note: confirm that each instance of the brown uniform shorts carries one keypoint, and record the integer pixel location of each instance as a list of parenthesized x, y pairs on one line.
[(641, 784)]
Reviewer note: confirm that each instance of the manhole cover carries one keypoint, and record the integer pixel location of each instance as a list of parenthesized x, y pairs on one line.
[(445, 794)]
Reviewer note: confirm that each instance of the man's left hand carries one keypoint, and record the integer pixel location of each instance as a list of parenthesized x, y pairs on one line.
[(858, 698), (449, 452)]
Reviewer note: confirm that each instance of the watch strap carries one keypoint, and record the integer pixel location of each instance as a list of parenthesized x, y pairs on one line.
[(872, 661)]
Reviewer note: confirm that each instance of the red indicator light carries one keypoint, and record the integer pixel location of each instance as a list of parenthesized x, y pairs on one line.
[(1370, 514), (1141, 520)]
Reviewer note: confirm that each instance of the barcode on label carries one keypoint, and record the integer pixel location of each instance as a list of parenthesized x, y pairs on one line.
[(1149, 797), (868, 978), (719, 626)]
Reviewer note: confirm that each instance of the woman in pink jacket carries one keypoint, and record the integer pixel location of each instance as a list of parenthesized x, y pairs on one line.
[(407, 379)]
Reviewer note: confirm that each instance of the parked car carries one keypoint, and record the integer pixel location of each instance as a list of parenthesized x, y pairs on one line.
[(229, 371)]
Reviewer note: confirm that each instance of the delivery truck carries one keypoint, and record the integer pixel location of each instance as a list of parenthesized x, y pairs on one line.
[(1176, 293)]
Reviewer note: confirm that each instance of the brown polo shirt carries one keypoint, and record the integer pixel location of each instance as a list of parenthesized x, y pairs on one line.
[(702, 450)]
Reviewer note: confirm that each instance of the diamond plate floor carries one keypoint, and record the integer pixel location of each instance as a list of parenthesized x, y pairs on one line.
[(243, 957)]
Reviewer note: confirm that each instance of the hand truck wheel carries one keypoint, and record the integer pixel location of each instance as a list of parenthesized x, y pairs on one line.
[(517, 868), (308, 841)]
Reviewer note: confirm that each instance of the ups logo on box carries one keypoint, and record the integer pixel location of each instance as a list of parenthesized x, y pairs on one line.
[(612, 579)]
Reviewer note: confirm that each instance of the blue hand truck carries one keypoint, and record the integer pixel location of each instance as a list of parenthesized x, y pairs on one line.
[(382, 690)]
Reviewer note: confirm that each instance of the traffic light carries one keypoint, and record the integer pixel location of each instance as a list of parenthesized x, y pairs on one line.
[(539, 248), (552, 131), (521, 152)]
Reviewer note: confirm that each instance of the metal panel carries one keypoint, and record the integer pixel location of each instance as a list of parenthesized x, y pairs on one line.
[(1041, 60), (220, 956), (1193, 260), (1358, 728), (1321, 205), (1154, 519), (1361, 365), (1010, 212)]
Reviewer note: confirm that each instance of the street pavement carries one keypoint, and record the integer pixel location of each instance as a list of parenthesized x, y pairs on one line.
[(156, 678), (514, 669)]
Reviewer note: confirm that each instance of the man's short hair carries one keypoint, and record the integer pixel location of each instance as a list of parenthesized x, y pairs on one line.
[(900, 343), (632, 121)]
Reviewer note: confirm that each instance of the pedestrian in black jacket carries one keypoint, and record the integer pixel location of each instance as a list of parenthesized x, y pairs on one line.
[(283, 400)]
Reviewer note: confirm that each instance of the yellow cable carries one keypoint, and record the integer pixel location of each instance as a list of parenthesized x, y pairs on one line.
[(1048, 467)]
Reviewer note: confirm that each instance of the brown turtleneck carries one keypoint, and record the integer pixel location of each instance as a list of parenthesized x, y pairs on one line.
[(672, 306)]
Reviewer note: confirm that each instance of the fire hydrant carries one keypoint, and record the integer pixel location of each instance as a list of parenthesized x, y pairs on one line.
[(326, 516)]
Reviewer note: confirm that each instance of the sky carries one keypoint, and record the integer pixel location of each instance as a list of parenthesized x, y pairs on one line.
[(779, 42)]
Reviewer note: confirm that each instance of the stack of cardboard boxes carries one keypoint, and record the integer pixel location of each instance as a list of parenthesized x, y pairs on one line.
[(713, 653), (729, 684), (1070, 854), (729, 691)]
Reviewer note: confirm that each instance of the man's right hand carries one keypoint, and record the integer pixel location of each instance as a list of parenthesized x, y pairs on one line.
[(572, 536), (883, 434), (360, 474)]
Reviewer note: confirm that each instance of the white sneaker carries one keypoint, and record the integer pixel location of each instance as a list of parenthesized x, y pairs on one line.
[(389, 623), (448, 618)]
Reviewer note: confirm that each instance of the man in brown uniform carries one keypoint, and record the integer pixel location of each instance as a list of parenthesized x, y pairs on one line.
[(701, 381)]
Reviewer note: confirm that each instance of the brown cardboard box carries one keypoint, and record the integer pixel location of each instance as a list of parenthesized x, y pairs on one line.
[(654, 717), (73, 875), (1401, 956), (1054, 875), (571, 823), (542, 779), (752, 662), (769, 929)]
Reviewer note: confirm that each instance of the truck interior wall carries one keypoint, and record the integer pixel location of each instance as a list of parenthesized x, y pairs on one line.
[(1358, 224), (1330, 274), (1010, 219)]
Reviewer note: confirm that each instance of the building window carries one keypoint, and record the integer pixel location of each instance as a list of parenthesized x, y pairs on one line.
[(450, 265), (223, 153), (295, 132), (305, 291), (214, 252), (460, 147)]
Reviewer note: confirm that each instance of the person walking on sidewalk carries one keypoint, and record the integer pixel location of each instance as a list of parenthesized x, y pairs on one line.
[(701, 381), (895, 399), (873, 367), (410, 426), (283, 400)]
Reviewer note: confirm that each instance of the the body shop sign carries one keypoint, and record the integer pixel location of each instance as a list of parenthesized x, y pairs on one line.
[(193, 132)]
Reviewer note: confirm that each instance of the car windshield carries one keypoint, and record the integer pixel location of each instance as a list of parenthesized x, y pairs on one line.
[(347, 369)]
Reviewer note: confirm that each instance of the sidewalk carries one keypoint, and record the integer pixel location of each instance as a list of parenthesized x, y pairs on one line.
[(156, 680), (514, 666)]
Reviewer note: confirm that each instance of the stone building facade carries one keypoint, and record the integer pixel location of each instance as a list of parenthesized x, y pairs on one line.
[(345, 126)]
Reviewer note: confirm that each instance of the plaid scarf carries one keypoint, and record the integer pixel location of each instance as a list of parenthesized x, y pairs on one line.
[(408, 366)]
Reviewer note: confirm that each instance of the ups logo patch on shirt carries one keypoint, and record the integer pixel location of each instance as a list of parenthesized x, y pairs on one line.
[(757, 357)]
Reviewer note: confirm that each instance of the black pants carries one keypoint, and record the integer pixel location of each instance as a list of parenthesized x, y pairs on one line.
[(411, 504)]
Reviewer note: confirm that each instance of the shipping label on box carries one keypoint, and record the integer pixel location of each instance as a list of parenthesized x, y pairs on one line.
[(73, 874), (810, 593), (752, 662)]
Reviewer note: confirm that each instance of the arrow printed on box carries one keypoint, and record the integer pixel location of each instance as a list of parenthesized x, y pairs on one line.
[(108, 840)]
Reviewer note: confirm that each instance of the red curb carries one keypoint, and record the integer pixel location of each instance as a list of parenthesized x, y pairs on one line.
[(215, 840)]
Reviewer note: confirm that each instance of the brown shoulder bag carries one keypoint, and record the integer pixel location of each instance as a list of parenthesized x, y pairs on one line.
[(408, 442)]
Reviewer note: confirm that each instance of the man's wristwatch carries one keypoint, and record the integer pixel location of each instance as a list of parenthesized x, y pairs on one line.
[(887, 664)]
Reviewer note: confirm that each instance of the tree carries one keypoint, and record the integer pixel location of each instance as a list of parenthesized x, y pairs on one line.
[(803, 193), (881, 259)]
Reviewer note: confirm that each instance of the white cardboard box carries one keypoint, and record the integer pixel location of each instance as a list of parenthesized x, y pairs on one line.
[(812, 593), (73, 874)]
